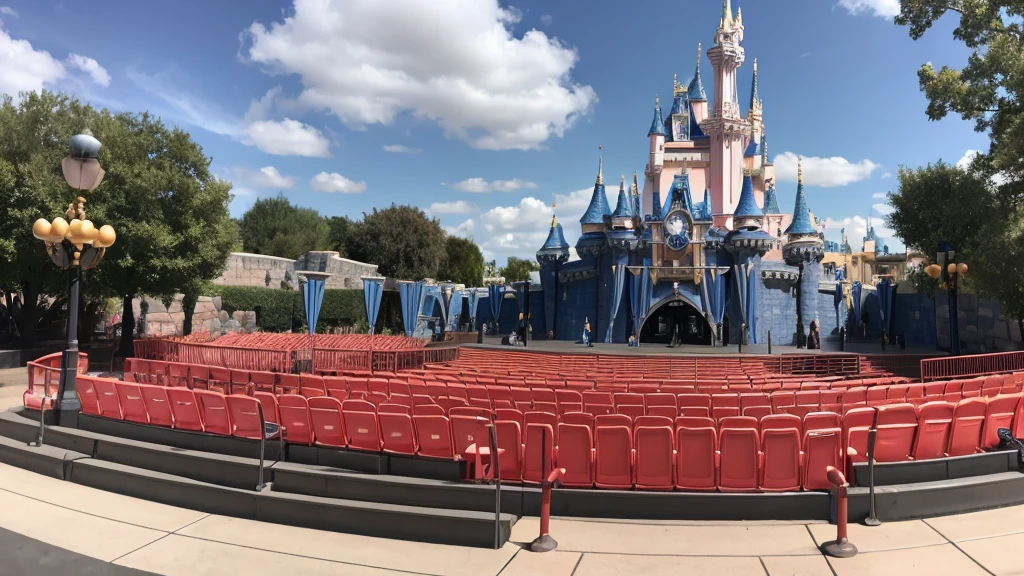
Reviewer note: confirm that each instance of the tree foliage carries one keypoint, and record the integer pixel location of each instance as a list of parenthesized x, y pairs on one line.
[(339, 230), (518, 269), (987, 90), (276, 227), (464, 263), (401, 240)]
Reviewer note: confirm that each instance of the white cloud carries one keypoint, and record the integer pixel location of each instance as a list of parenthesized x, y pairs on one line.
[(186, 107), (285, 137), (25, 69), (824, 172), (966, 159), (546, 19), (857, 227), (883, 209), (457, 207), (880, 8), (266, 177), (334, 182), (401, 149), (455, 62), (464, 230), (479, 185), (91, 67), (880, 195), (886, 175), (8, 11)]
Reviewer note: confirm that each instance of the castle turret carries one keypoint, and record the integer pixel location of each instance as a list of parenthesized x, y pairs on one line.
[(656, 158), (771, 202), (695, 93), (747, 243), (551, 256), (593, 218), (804, 249)]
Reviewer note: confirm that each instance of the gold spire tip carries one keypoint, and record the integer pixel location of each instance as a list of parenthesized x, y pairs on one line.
[(799, 170)]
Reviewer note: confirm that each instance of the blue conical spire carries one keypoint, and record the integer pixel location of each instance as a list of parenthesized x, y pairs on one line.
[(707, 204), (801, 215), (771, 203), (658, 124), (747, 206), (556, 240), (635, 191), (624, 206), (598, 207), (754, 99), (696, 89)]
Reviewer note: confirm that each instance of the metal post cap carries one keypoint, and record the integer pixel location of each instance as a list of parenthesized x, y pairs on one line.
[(85, 146)]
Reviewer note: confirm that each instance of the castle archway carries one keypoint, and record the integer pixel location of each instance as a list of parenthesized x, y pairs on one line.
[(677, 315)]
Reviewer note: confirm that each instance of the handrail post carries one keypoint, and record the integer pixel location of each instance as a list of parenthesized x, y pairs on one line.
[(872, 520), (841, 547), (544, 542)]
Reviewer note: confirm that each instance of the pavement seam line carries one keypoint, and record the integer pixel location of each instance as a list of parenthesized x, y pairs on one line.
[(191, 523), (959, 549), (90, 513), (577, 566), (509, 561), (139, 548), (763, 566)]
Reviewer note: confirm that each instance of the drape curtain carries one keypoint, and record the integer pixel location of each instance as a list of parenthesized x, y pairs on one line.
[(410, 293), (313, 299), (373, 289), (619, 279)]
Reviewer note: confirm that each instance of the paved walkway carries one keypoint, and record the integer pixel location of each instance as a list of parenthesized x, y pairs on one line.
[(162, 539), (17, 377)]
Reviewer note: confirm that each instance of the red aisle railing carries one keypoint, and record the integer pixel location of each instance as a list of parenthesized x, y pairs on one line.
[(974, 365)]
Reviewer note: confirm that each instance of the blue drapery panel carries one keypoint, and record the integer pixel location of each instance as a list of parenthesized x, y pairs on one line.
[(411, 293), (619, 278), (639, 298), (712, 293), (454, 310), (494, 296), (886, 295), (746, 292), (474, 298), (313, 298), (855, 291), (837, 298), (373, 289)]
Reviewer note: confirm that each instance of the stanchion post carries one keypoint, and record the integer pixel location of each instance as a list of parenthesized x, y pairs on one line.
[(492, 433), (872, 519), (769, 341), (841, 547), (544, 542)]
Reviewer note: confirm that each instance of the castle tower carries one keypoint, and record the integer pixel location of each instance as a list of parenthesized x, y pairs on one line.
[(656, 158), (747, 243), (695, 93), (726, 127), (805, 250), (551, 256)]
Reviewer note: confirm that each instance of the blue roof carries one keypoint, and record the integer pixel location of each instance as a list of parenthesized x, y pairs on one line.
[(679, 193), (765, 161), (771, 203), (754, 99), (556, 240), (695, 131), (679, 103), (658, 124), (801, 215), (624, 207), (753, 149), (696, 88), (598, 207), (747, 206)]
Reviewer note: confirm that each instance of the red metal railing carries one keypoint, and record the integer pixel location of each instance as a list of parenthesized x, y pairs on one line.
[(44, 373), (975, 365)]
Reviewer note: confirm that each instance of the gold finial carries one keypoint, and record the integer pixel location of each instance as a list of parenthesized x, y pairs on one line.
[(755, 65), (600, 165), (636, 190), (554, 220), (799, 170), (657, 102)]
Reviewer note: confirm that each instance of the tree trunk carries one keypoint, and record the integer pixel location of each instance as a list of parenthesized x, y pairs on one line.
[(127, 347), (28, 320), (87, 319), (188, 308)]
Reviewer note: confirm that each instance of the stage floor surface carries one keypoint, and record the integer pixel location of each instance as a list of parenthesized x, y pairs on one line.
[(61, 520)]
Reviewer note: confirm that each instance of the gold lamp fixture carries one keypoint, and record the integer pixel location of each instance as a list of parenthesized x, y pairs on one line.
[(73, 240)]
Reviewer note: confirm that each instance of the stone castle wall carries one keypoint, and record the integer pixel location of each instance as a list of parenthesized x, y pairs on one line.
[(245, 269)]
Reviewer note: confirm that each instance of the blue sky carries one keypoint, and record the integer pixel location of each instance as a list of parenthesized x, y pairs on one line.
[(484, 113)]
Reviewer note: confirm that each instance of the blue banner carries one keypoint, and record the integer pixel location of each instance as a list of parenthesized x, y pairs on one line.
[(855, 292), (474, 299), (313, 298), (640, 299), (619, 279), (713, 294), (454, 310), (494, 295), (886, 294), (746, 292), (410, 294), (373, 289)]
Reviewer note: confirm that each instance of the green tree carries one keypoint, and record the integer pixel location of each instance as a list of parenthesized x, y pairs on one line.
[(518, 269), (402, 240), (998, 273), (340, 226), (276, 227), (464, 263), (987, 89)]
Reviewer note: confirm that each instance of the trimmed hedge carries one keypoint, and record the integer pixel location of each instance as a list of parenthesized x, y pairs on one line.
[(283, 310)]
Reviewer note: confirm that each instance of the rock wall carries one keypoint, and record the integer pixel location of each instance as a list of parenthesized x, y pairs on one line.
[(208, 317), (983, 325), (245, 269)]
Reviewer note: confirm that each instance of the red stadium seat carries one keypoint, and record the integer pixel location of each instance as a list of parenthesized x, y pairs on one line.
[(819, 420), (87, 395), (782, 459), (287, 383), (968, 422), (185, 409), (106, 394), (245, 416), (538, 452), (271, 413), (328, 421), (388, 408), (199, 376), (239, 382), (896, 425), (133, 406), (934, 420), (434, 436), (510, 442), (856, 424), (158, 407), (697, 460), (397, 433), (822, 448), (548, 418), (998, 414), (613, 460), (177, 374), (220, 379), (655, 457), (295, 417), (263, 381), (575, 453), (781, 422), (739, 467), (362, 430), (216, 418)]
